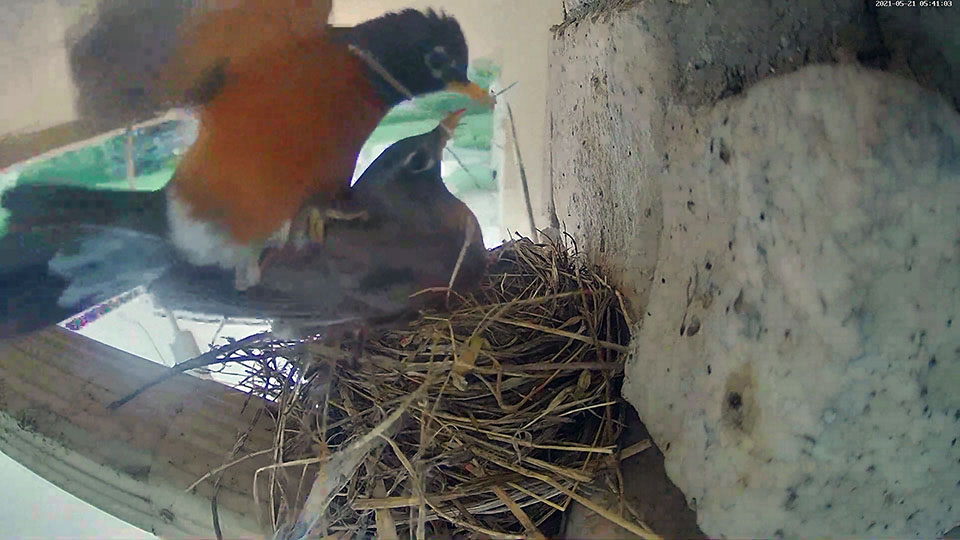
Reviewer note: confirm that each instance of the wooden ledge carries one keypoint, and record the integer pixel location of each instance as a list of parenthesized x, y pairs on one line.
[(136, 462)]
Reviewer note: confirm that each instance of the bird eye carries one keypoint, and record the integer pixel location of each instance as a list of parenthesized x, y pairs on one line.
[(419, 161), (437, 59)]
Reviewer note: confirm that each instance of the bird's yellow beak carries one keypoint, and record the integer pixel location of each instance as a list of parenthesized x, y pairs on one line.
[(453, 119), (472, 90), (449, 124)]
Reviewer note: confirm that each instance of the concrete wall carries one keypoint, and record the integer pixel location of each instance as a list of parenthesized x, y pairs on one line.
[(786, 235)]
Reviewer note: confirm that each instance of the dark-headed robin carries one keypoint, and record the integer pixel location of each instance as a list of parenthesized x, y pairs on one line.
[(417, 237)]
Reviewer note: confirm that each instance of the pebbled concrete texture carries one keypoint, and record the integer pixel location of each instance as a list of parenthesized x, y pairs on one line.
[(800, 328), (667, 58), (790, 246)]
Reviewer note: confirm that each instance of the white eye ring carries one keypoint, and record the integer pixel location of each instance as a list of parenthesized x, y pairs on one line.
[(429, 163)]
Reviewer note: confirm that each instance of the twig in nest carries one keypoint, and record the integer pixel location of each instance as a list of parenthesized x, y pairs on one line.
[(216, 514), (386, 528), (504, 91), (468, 232), (205, 359), (225, 467), (635, 449), (640, 530), (523, 172), (476, 181), (515, 509)]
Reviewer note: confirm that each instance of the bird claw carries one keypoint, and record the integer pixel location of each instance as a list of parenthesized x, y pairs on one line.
[(317, 220), (323, 354), (316, 226), (247, 274)]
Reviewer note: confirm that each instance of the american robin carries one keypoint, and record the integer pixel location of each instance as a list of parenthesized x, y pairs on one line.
[(417, 236), (285, 104), (284, 101), (417, 241), (411, 241)]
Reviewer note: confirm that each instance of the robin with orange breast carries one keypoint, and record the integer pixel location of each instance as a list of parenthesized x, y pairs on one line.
[(417, 237), (285, 102)]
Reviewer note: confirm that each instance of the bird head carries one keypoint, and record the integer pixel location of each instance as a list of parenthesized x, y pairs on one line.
[(424, 51), (411, 166)]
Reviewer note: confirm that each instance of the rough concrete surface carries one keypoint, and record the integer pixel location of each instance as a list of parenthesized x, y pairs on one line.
[(800, 327), (791, 251), (669, 58)]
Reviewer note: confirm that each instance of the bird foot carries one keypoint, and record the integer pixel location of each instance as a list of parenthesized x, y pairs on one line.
[(317, 220), (323, 354), (247, 274), (348, 339)]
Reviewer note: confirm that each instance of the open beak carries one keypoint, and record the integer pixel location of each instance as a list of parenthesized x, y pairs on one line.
[(449, 124), (474, 91)]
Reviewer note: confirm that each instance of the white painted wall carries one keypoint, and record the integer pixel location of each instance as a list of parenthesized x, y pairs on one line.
[(33, 56)]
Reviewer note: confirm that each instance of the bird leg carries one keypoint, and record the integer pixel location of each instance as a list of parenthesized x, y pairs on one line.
[(247, 272), (318, 218), (311, 222), (323, 353), (249, 268)]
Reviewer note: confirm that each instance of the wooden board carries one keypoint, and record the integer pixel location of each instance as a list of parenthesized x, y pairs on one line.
[(133, 463)]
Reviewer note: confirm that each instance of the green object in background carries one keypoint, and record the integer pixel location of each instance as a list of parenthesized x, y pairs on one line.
[(106, 163), (87, 166), (476, 127), (477, 179), (142, 182), (475, 132)]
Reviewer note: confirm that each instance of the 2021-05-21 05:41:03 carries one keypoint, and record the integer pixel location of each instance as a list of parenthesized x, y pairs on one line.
[(913, 3)]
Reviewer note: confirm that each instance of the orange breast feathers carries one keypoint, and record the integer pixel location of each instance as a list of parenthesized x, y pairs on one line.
[(283, 127)]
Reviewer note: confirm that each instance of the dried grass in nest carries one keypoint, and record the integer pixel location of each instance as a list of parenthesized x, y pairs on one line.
[(481, 422)]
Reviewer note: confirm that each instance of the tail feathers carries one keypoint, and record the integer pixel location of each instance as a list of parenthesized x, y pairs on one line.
[(28, 300), (48, 274), (39, 205)]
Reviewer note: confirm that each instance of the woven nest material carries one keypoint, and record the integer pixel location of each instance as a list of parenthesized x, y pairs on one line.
[(483, 421)]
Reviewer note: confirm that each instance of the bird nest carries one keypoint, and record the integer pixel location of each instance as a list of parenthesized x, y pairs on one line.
[(482, 420)]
